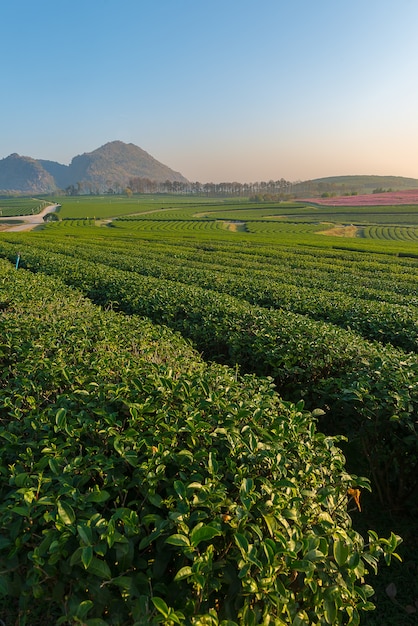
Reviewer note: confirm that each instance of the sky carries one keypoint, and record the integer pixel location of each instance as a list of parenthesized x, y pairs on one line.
[(219, 90)]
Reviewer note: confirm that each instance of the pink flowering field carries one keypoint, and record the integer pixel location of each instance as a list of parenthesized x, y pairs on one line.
[(409, 196)]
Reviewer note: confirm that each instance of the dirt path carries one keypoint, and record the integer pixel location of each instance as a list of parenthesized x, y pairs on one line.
[(25, 222), (170, 208), (341, 231)]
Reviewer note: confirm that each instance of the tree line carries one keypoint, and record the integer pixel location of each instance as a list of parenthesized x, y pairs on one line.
[(263, 190)]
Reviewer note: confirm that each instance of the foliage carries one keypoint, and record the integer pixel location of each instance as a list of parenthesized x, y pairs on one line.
[(373, 308), (368, 390), (141, 486), (180, 266)]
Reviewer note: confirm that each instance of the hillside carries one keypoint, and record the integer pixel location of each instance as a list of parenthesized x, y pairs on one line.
[(360, 184), (24, 175), (118, 162), (111, 165), (60, 173)]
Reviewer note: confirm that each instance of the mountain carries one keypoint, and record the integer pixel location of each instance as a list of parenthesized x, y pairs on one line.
[(118, 162), (24, 175), (115, 163), (60, 173), (111, 165)]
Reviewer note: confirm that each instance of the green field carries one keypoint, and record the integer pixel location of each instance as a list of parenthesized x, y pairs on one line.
[(13, 207), (113, 206), (195, 395)]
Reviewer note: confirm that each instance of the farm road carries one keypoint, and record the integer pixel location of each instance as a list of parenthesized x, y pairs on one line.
[(26, 222)]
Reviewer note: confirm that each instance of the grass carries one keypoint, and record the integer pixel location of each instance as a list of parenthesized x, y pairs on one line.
[(114, 206), (388, 229)]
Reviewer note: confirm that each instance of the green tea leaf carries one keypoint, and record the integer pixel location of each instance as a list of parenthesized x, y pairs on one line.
[(61, 418), (99, 568), (66, 513), (184, 572), (161, 606), (83, 608), (330, 610), (98, 496), (54, 466), (341, 552), (241, 542), (180, 488), (86, 556), (247, 485), (203, 533), (178, 540), (85, 533)]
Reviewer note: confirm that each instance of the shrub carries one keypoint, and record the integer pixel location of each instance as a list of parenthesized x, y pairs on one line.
[(137, 491)]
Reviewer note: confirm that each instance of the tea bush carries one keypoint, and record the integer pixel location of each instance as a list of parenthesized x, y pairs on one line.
[(368, 390), (140, 485), (359, 295), (375, 313)]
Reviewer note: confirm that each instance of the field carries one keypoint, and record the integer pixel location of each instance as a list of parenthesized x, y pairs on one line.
[(13, 207), (207, 405), (404, 197)]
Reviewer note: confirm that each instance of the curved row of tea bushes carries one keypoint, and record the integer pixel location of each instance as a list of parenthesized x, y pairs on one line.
[(359, 271), (16, 207), (139, 484), (379, 320), (369, 391), (375, 320), (381, 277), (392, 233)]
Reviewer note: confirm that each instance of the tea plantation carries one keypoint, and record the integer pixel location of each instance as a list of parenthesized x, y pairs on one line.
[(200, 423)]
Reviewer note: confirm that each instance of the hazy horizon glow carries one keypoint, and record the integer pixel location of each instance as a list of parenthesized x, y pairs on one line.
[(220, 91)]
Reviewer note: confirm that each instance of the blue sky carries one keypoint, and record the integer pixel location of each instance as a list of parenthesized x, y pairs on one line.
[(219, 90)]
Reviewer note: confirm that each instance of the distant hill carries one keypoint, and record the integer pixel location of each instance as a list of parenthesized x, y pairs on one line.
[(24, 175), (60, 173), (114, 164), (110, 166), (118, 162), (361, 184)]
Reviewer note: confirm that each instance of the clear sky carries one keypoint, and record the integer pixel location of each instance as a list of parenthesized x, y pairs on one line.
[(219, 90)]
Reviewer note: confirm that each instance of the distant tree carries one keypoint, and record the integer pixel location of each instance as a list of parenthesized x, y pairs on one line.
[(51, 217), (71, 190), (168, 186)]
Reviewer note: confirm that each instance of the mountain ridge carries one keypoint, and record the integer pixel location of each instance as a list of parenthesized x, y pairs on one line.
[(112, 164), (24, 174)]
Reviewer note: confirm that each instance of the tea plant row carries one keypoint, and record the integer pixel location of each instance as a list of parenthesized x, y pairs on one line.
[(182, 221), (392, 233), (369, 391), (140, 485), (13, 207), (339, 271), (374, 310)]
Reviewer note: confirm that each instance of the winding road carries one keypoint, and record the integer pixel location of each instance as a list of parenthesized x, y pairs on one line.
[(26, 222)]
